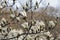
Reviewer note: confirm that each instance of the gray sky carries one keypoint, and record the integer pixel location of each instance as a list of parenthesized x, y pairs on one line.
[(54, 3)]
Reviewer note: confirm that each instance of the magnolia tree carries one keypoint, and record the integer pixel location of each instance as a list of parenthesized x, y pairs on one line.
[(33, 29)]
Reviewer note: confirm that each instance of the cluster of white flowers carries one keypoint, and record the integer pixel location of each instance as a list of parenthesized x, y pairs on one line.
[(3, 22), (14, 33), (48, 34), (3, 28), (10, 32), (41, 36), (22, 13), (51, 24), (2, 4), (39, 25)]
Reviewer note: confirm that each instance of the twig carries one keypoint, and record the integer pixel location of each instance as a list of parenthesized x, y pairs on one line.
[(40, 1), (43, 10)]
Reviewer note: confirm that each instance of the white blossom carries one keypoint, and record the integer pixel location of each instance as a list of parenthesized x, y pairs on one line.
[(18, 18), (25, 25), (1, 6), (48, 34), (40, 25), (21, 37), (23, 13), (12, 15), (51, 23), (34, 28), (3, 19)]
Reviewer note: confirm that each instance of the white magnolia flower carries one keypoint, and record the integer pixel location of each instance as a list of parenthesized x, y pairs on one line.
[(48, 34), (20, 31), (51, 23), (40, 25), (12, 33), (12, 15), (25, 25), (34, 28), (52, 38), (42, 37), (1, 6), (23, 13), (21, 37), (18, 18), (3, 19)]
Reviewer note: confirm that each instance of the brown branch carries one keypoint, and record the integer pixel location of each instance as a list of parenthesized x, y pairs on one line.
[(43, 11)]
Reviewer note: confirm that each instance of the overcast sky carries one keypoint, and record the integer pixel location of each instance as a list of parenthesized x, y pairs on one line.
[(54, 3)]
